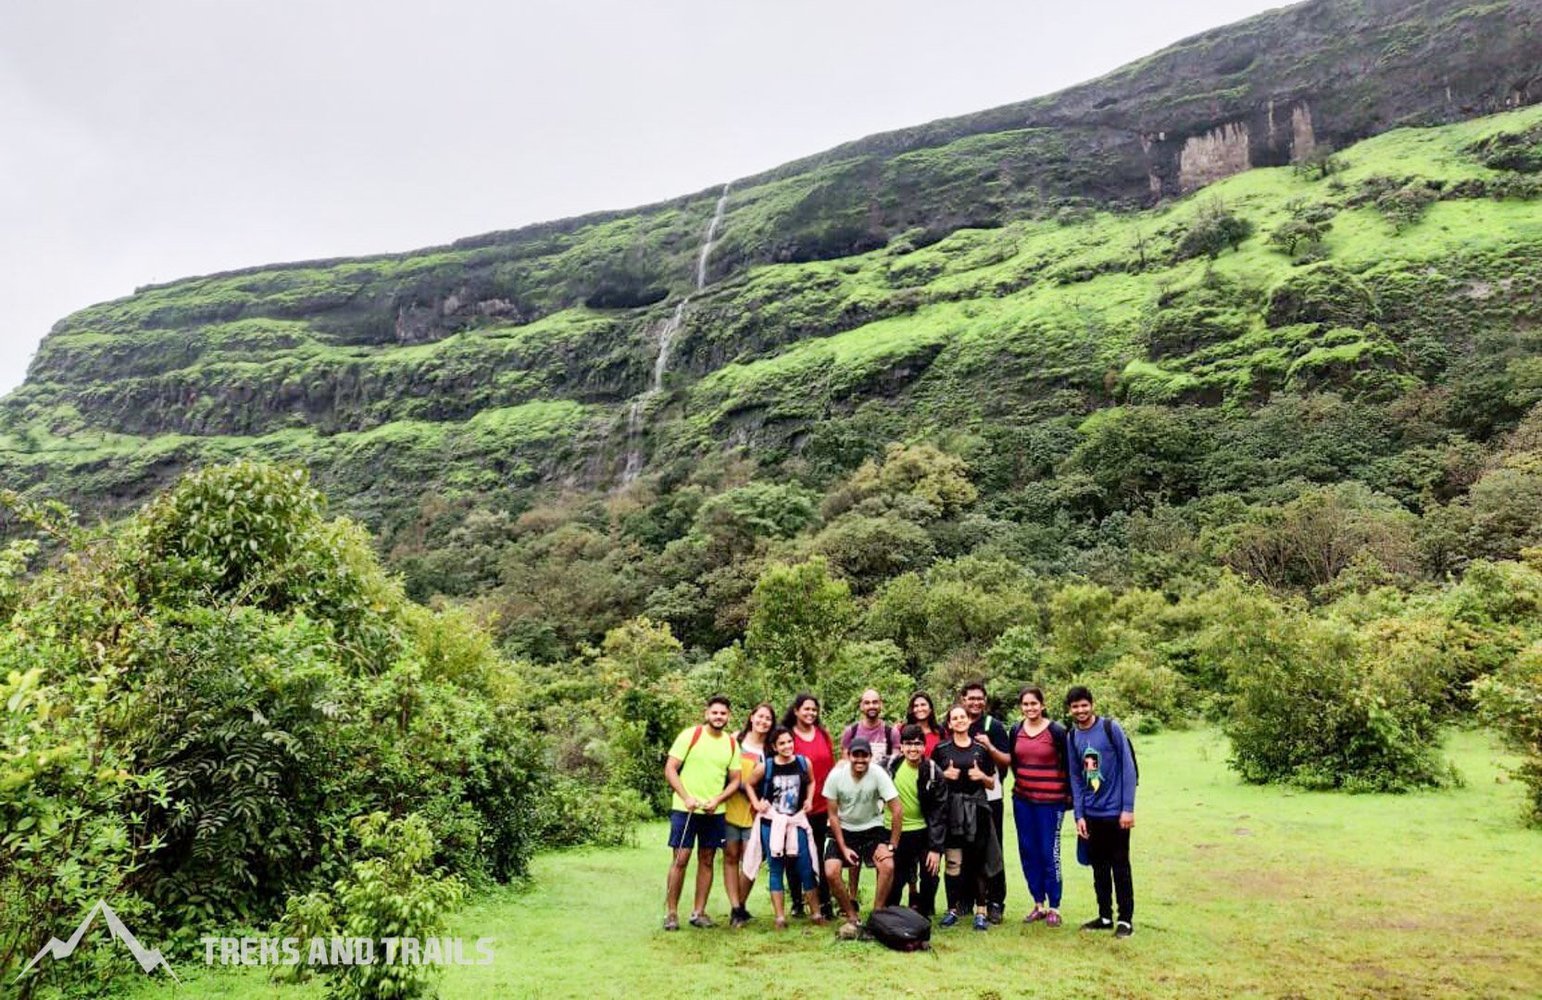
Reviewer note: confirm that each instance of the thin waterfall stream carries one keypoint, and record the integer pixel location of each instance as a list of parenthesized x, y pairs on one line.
[(634, 410)]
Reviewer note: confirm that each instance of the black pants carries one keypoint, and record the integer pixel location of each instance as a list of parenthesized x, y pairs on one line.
[(964, 875), (997, 884), (910, 863), (1108, 848), (820, 824)]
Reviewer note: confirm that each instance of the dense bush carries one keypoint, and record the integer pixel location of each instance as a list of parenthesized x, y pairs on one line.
[(1512, 699), (1308, 706), (1214, 229), (390, 891), (201, 701)]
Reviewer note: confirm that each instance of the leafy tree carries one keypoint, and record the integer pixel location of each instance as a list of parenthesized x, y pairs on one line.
[(868, 550), (1511, 699), (1214, 228), (800, 616), (1139, 454), (735, 520), (937, 483), (1309, 541)]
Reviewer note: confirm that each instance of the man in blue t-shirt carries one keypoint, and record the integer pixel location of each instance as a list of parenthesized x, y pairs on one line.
[(1103, 780)]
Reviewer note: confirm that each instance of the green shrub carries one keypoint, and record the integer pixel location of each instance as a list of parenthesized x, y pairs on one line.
[(1512, 700), (1214, 229), (1320, 715), (390, 891)]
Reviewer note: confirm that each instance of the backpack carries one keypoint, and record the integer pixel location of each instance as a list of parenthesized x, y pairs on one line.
[(804, 768), (892, 733), (1062, 736), (733, 752), (1108, 734), (900, 928)]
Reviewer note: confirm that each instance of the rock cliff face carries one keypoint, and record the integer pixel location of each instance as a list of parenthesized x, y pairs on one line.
[(530, 355)]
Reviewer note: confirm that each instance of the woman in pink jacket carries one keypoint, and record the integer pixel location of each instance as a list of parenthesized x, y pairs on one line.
[(781, 790)]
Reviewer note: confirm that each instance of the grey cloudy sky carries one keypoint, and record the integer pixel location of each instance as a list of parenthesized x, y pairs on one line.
[(157, 139)]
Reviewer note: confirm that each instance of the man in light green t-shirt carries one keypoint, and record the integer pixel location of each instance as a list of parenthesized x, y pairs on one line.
[(923, 805), (703, 770), (860, 796)]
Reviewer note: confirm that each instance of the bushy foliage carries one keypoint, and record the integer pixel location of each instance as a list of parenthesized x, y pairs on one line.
[(1310, 706), (390, 891), (1214, 229), (202, 700), (1511, 698), (800, 618), (1300, 237)]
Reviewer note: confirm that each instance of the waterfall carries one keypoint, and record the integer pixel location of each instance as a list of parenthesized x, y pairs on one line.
[(706, 246), (634, 412), (666, 337)]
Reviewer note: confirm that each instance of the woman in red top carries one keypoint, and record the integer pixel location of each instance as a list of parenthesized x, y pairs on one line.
[(924, 714), (810, 739), (1041, 788)]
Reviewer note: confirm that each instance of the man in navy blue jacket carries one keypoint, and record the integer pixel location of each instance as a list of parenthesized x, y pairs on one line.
[(1103, 779)]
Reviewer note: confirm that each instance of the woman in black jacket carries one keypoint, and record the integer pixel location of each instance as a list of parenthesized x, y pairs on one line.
[(924, 822), (972, 855)]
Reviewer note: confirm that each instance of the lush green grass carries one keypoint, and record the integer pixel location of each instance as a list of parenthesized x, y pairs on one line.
[(1241, 891)]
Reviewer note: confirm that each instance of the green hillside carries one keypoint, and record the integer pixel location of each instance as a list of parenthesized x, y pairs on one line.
[(981, 272), (1034, 324)]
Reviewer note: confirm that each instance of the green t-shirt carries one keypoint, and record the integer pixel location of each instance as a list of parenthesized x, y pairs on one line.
[(861, 803), (704, 772), (910, 797)]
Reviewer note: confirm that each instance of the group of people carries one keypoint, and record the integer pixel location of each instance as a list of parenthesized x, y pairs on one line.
[(921, 802)]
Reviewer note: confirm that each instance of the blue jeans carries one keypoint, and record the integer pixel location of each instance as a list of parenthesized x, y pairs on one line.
[(1038, 847), (805, 861)]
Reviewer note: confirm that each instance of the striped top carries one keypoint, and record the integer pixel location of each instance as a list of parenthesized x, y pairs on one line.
[(1036, 769)]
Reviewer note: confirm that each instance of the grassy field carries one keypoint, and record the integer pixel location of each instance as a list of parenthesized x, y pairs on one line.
[(1241, 891)]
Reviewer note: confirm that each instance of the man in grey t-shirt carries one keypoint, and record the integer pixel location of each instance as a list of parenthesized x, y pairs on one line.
[(859, 796)]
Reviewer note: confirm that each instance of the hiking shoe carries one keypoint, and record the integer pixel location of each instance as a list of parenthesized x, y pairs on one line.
[(949, 919), (701, 920), (1100, 924), (671, 923), (1052, 918), (1123, 929), (981, 923), (995, 913), (850, 931), (1036, 914), (745, 914)]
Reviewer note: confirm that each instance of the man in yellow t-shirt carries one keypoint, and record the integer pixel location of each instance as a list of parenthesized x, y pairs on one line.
[(703, 770)]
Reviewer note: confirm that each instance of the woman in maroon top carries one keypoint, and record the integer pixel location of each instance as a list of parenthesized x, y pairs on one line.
[(1041, 789), (810, 739)]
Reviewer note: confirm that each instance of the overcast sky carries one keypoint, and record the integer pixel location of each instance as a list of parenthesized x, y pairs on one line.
[(154, 139)]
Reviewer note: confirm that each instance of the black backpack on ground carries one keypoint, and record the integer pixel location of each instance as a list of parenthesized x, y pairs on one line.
[(900, 928)]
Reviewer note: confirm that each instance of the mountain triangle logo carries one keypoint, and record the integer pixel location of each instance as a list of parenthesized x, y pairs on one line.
[(148, 958)]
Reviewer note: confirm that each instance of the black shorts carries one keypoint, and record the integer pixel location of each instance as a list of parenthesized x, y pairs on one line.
[(864, 842)]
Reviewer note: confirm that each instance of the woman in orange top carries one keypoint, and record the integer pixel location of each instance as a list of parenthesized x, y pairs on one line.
[(739, 816)]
